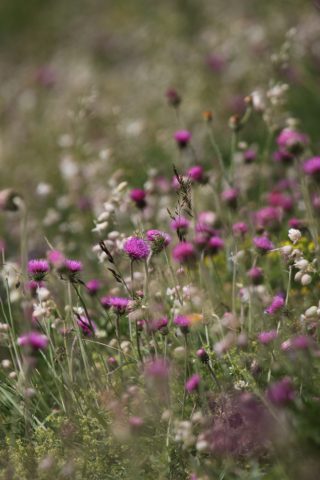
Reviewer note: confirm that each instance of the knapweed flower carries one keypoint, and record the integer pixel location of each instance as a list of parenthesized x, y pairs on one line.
[(87, 326), (256, 275), (300, 342), (160, 324), (263, 244), (118, 304), (184, 252), (35, 340), (180, 224), (173, 97), (276, 305), (193, 383), (196, 174), (239, 228), (268, 217), (158, 240), (214, 245), (312, 167), (56, 258), (93, 286), (136, 248), (267, 337), (138, 196), (183, 322), (292, 141), (157, 369), (282, 392), (182, 137)]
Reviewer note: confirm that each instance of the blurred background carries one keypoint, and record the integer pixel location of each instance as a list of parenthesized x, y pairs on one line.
[(83, 82)]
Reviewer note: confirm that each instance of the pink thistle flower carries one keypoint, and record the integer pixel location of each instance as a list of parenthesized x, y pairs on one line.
[(230, 197), (284, 157), (157, 369), (202, 355), (193, 383), (263, 244), (182, 137), (276, 305), (292, 141), (268, 217), (184, 252), (93, 286), (138, 196), (118, 304), (196, 174), (38, 269), (312, 167), (278, 199), (282, 392), (35, 340), (72, 268), (239, 228), (180, 224), (249, 155), (256, 275), (158, 239), (215, 244), (173, 97), (87, 326), (300, 342), (56, 258), (183, 323), (136, 248), (267, 337), (159, 324)]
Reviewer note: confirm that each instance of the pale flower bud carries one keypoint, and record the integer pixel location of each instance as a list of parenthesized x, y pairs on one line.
[(311, 311), (294, 235), (306, 279)]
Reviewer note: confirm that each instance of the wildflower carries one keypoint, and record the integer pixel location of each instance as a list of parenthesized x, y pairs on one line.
[(268, 217), (184, 252), (72, 268), (282, 392), (215, 244), (183, 322), (35, 340), (312, 167), (276, 305), (93, 286), (138, 196), (267, 337), (230, 197), (118, 304), (160, 324), (173, 97), (87, 326), (239, 228), (136, 248), (263, 244), (256, 275), (38, 269), (180, 224), (33, 286), (56, 258), (202, 355), (292, 141), (157, 369), (196, 174), (249, 156), (158, 240), (182, 137), (300, 342), (193, 383)]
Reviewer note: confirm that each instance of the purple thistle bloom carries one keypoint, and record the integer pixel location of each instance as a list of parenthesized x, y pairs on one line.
[(158, 369), (38, 269), (312, 167), (159, 324), (138, 196), (249, 155), (267, 337), (182, 137), (184, 252), (35, 340), (284, 157), (180, 223), (196, 173), (173, 97), (72, 266), (239, 228), (215, 244), (276, 305), (292, 141), (202, 355), (87, 326), (56, 258), (158, 239), (136, 248), (300, 342), (268, 217), (256, 275), (193, 383), (263, 244), (230, 196), (119, 304), (93, 286), (282, 392), (183, 323)]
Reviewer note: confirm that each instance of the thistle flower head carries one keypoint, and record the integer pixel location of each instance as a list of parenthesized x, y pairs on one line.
[(193, 383), (93, 286), (196, 173), (215, 244), (281, 392), (35, 340), (38, 269), (267, 337), (138, 196), (312, 167), (184, 252), (182, 137), (239, 228), (263, 244), (136, 248), (72, 267), (88, 327), (276, 305), (118, 304), (183, 322), (158, 240)]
